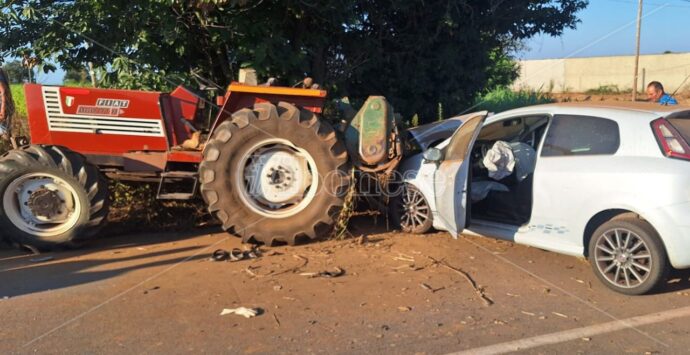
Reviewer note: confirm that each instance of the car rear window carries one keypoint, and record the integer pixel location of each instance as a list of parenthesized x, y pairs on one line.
[(571, 135)]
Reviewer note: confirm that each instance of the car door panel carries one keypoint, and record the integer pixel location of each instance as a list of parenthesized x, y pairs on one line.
[(451, 177)]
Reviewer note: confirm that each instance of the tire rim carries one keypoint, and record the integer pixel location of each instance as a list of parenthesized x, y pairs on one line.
[(414, 210), (623, 258), (42, 204), (279, 179)]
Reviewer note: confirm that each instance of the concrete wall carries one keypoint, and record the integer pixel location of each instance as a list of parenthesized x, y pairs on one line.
[(582, 74)]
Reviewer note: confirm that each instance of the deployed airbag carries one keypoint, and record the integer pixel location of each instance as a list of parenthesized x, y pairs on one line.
[(504, 158), (499, 160)]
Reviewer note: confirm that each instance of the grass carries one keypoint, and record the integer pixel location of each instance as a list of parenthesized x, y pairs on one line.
[(503, 99), (19, 99), (607, 90)]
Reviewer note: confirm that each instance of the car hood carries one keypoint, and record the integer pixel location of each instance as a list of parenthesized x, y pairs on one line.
[(431, 134)]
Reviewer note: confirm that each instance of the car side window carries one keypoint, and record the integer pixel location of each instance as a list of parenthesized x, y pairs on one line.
[(571, 135)]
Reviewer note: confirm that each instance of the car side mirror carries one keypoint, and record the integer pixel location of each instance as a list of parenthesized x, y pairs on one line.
[(433, 155)]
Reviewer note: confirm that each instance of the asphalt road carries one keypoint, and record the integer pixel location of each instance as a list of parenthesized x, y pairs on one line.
[(159, 293)]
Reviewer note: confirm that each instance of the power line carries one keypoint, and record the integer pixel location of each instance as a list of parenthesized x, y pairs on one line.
[(654, 4)]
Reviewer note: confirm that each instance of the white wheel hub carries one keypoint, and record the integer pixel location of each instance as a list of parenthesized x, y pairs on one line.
[(279, 179), (278, 176), (41, 204)]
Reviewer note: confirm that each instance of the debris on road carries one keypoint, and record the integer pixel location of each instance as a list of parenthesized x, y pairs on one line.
[(404, 309), (242, 311), (403, 257), (293, 270), (478, 290), (327, 274), (151, 289), (235, 254), (429, 288), (560, 314), (42, 259)]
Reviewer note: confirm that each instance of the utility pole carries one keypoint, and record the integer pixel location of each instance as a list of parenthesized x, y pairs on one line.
[(637, 50)]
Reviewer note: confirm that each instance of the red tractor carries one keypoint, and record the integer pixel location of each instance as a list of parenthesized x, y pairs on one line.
[(271, 170)]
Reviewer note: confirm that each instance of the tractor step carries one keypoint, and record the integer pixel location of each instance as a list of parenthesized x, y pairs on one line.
[(175, 185)]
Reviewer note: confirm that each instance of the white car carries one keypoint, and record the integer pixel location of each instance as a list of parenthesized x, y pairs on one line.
[(607, 182)]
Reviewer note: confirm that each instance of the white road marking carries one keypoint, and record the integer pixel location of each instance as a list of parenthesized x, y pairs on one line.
[(578, 333)]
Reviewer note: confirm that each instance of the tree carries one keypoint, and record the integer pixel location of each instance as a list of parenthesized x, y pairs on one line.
[(15, 72), (418, 53), (74, 76)]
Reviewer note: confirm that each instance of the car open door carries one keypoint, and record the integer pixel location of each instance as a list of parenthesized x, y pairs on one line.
[(451, 178)]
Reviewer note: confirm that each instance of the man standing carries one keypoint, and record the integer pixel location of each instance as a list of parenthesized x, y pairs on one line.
[(6, 105), (656, 93)]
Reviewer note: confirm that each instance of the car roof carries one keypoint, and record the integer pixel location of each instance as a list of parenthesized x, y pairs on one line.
[(646, 110)]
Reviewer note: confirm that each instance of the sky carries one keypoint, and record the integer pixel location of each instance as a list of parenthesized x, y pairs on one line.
[(607, 28)]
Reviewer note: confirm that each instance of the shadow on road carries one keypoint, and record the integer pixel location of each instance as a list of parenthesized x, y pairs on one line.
[(95, 262), (678, 281)]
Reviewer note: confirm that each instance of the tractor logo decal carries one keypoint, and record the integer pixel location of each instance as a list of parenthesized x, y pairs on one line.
[(104, 107), (103, 118), (112, 103), (99, 111)]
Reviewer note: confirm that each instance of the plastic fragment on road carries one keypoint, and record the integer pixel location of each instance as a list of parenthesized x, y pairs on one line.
[(42, 259), (327, 274), (241, 311)]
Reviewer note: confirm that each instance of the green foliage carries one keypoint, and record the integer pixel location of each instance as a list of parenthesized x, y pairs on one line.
[(15, 72), (414, 122), (76, 77), (503, 99), (607, 90), (415, 52)]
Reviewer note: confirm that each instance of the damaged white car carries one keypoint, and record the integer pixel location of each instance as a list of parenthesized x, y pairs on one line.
[(610, 183)]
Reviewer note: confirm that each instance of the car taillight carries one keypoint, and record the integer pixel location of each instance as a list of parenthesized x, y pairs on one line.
[(670, 141)]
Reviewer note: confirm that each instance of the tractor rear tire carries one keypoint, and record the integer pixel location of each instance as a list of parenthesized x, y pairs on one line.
[(242, 161), (51, 197)]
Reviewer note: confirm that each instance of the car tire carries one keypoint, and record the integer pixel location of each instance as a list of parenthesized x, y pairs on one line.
[(628, 256), (51, 197), (411, 211)]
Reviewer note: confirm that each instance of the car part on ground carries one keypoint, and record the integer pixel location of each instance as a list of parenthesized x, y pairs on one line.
[(51, 197)]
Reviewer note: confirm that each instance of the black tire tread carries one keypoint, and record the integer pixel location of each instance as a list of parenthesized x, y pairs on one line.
[(289, 118)]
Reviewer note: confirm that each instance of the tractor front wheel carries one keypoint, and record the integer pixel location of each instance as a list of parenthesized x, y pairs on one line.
[(51, 197)]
